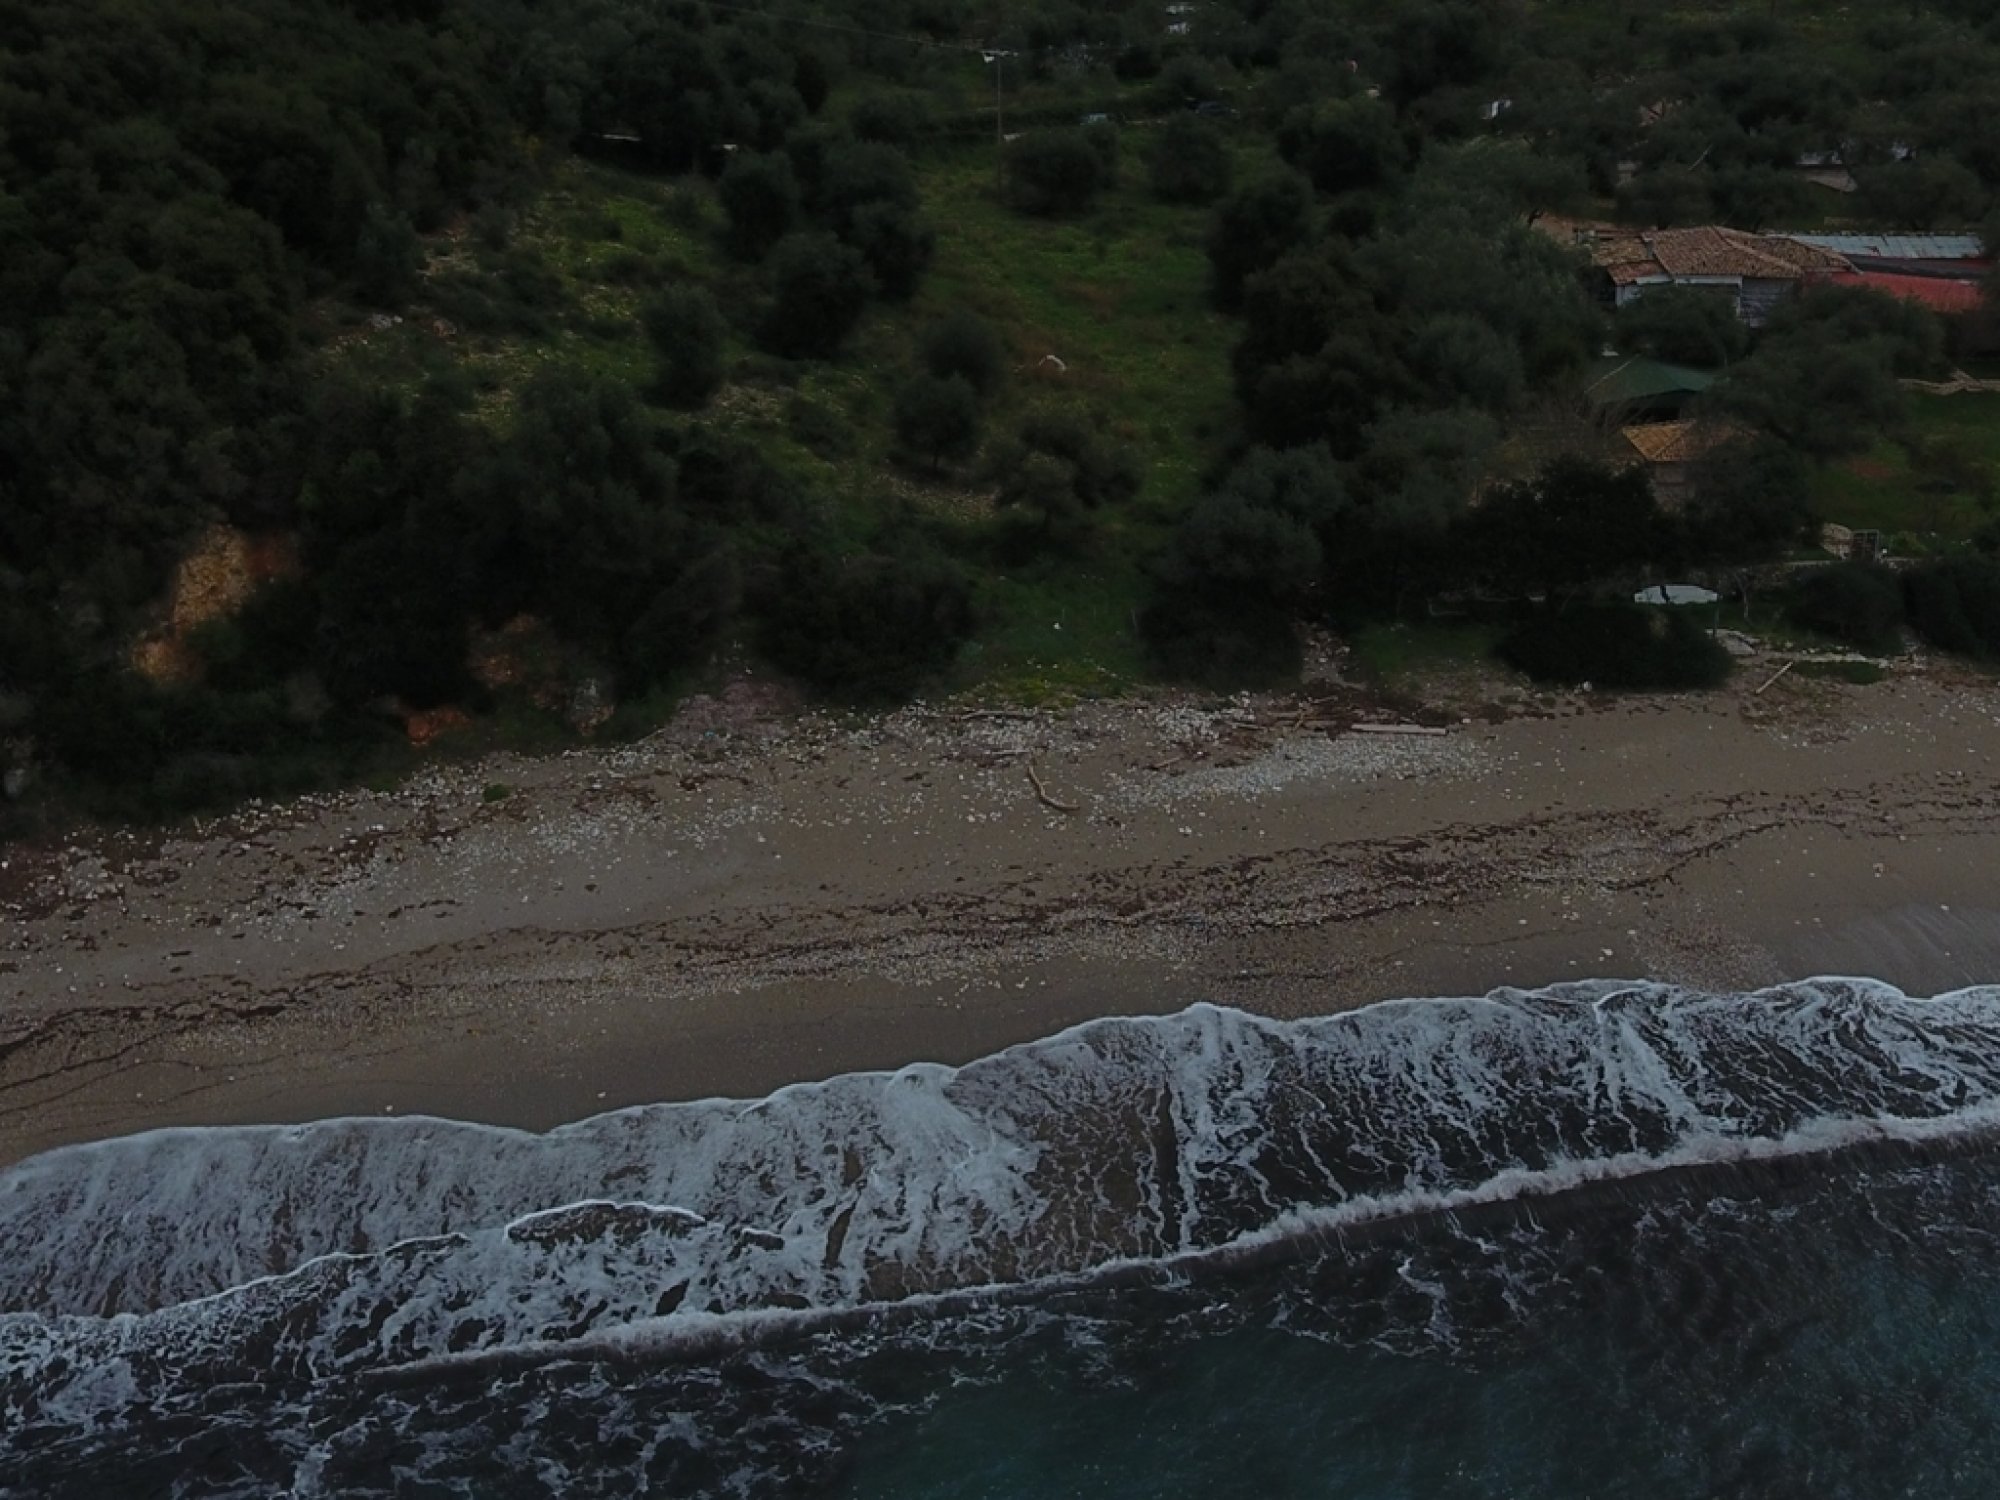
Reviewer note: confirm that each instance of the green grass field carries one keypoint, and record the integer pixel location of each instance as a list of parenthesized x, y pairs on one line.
[(1883, 490), (1105, 315)]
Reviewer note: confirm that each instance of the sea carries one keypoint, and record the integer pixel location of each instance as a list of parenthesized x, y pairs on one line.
[(1603, 1239)]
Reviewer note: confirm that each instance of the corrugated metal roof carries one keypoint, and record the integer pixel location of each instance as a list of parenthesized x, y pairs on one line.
[(1898, 246)]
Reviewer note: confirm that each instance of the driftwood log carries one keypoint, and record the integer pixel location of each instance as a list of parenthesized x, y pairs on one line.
[(1042, 793), (1774, 677)]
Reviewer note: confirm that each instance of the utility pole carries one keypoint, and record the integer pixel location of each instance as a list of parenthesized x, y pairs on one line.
[(998, 59)]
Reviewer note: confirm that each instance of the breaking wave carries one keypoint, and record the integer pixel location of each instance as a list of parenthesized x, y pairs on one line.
[(718, 1273)]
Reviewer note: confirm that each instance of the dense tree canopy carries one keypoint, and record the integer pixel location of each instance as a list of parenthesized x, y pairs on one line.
[(204, 202)]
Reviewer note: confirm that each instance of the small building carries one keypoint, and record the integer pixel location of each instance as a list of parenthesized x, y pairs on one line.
[(1755, 272), (1827, 169), (1673, 451)]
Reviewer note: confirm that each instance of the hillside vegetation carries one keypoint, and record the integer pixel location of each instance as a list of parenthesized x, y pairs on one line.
[(535, 360)]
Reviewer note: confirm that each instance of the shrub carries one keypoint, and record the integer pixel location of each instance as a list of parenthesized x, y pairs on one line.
[(1057, 472), (730, 476), (1107, 471), (1220, 644), (895, 119), (841, 177), (761, 199), (1254, 228), (1055, 172), (516, 299), (938, 419), (868, 628), (1242, 569), (388, 257), (385, 628), (1188, 161), (1683, 324), (818, 290), (823, 429), (897, 244), (688, 335), (1616, 646), (630, 268), (1955, 604), (1851, 602), (964, 344), (1343, 144)]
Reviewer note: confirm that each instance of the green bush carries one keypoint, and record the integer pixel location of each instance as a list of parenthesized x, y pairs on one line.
[(516, 302), (964, 344), (937, 419), (1851, 602), (1254, 228), (894, 119), (1683, 324), (1055, 172), (818, 290), (1188, 161), (824, 429), (1615, 646), (1220, 643), (688, 336), (388, 257), (841, 177), (869, 629), (897, 244), (1955, 605), (760, 196), (1055, 475)]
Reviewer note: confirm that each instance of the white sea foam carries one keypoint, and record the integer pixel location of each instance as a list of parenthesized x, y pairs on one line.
[(1120, 1148)]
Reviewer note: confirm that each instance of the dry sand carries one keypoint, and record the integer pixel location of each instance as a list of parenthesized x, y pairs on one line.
[(747, 900)]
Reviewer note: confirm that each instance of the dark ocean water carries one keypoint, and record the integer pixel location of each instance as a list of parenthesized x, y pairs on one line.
[(1598, 1240)]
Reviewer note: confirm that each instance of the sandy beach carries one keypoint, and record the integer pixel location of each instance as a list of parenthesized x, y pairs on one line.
[(752, 898)]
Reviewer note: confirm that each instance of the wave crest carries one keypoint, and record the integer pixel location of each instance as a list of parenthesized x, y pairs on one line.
[(370, 1245)]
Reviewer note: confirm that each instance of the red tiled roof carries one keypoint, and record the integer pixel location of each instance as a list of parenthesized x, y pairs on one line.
[(1679, 442), (1938, 293), (1710, 251)]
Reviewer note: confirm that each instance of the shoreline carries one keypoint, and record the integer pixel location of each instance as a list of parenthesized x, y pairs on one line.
[(739, 902)]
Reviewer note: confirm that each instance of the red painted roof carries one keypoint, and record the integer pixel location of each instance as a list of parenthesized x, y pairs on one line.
[(1935, 292)]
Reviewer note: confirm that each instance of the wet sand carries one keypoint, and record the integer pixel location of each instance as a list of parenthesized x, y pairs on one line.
[(748, 900)]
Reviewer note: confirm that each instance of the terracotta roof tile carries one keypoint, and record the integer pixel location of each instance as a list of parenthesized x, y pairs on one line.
[(1806, 257), (1678, 442), (1632, 256)]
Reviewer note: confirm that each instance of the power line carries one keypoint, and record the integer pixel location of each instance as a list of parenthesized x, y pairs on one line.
[(887, 36)]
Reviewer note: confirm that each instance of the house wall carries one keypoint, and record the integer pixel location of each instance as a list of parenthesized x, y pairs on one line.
[(1731, 287), (1673, 484), (1761, 298)]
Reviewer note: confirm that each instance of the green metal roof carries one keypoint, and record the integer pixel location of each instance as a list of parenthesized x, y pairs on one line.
[(1614, 382)]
